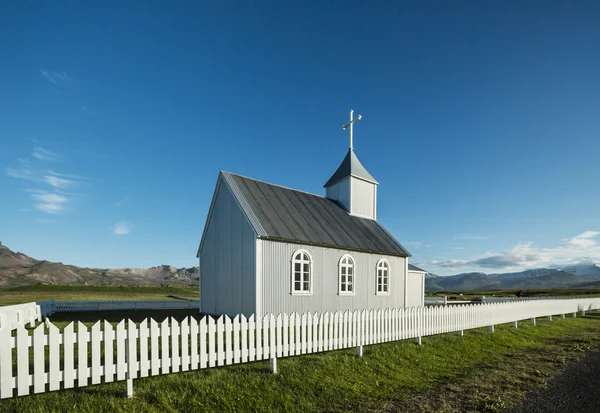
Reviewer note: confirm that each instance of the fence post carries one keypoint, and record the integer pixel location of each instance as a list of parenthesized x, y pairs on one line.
[(461, 333), (127, 371), (273, 365), (574, 315), (562, 316), (359, 333), (515, 324), (418, 340), (582, 312), (549, 318), (533, 321), (492, 328)]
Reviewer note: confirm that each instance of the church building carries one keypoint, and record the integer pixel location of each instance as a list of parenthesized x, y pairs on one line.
[(271, 249)]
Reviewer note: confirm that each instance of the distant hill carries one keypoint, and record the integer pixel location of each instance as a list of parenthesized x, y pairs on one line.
[(19, 269), (566, 277)]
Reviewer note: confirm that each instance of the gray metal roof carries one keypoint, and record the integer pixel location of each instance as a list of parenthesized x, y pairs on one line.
[(350, 166), (414, 268), (283, 214)]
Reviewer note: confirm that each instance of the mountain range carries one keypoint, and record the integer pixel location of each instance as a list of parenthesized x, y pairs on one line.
[(585, 275), (19, 269)]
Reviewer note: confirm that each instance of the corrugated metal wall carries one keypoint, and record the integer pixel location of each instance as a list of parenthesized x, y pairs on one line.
[(274, 287), (416, 295), (363, 198), (340, 192), (227, 259)]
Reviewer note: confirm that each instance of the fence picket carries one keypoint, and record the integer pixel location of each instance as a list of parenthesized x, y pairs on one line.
[(69, 355), (39, 377), (220, 344), (121, 363), (194, 350), (251, 338), (286, 347), (279, 335), (303, 332), (96, 341), (154, 336), (82, 354), (265, 338), (175, 360), (236, 339), (185, 344), (203, 341), (22, 361), (308, 329), (6, 389), (245, 346), (109, 367), (164, 342), (131, 350), (144, 361), (258, 338), (228, 341), (315, 330), (298, 325), (54, 357)]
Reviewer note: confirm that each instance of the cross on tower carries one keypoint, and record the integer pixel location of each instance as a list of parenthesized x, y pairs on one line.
[(352, 120)]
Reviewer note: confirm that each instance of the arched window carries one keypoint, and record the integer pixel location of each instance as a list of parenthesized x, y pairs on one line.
[(301, 272), (383, 278), (346, 275)]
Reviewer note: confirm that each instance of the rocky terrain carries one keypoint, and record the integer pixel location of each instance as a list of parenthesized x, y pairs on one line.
[(587, 275), (19, 269)]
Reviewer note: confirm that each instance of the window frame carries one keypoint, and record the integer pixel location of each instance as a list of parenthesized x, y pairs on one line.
[(388, 275), (340, 266), (293, 261)]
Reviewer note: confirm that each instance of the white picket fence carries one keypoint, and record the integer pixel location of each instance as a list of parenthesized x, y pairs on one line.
[(50, 307), (436, 300), (151, 349), (12, 316), (486, 300)]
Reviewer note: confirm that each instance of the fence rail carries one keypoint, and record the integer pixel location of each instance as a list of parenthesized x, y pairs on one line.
[(50, 307), (105, 354)]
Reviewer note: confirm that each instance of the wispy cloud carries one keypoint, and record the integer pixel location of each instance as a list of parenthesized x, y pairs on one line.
[(49, 197), (60, 79), (581, 248), (44, 154), (418, 244), (123, 201), (121, 228), (469, 237), (50, 202)]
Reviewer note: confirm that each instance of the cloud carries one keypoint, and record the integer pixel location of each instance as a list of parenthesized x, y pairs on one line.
[(49, 202), (49, 196), (123, 201), (579, 249), (469, 237), (121, 228), (58, 79), (44, 154), (418, 244)]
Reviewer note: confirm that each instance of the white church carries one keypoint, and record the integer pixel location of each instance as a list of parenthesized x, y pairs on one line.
[(271, 249)]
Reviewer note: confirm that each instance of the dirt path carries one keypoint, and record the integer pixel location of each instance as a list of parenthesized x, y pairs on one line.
[(576, 389)]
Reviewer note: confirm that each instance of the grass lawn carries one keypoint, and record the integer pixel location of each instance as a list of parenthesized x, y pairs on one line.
[(481, 371), (25, 294)]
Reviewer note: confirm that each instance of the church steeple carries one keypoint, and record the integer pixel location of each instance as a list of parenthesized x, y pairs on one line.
[(352, 185)]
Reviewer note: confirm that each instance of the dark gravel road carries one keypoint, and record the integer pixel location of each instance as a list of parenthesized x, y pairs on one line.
[(576, 389)]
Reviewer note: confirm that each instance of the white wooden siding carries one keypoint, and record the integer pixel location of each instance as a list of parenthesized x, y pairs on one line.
[(363, 198), (415, 294), (274, 294), (227, 282)]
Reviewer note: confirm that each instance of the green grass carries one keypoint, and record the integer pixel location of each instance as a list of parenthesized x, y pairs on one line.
[(40, 292), (478, 372)]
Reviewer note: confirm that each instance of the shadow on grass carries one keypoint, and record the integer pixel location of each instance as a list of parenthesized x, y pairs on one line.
[(135, 315)]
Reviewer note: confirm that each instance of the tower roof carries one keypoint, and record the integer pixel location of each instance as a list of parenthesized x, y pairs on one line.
[(350, 166)]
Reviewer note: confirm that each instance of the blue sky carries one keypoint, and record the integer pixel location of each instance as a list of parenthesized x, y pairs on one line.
[(481, 121)]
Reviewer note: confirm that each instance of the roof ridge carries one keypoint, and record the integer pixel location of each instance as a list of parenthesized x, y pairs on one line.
[(280, 186)]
